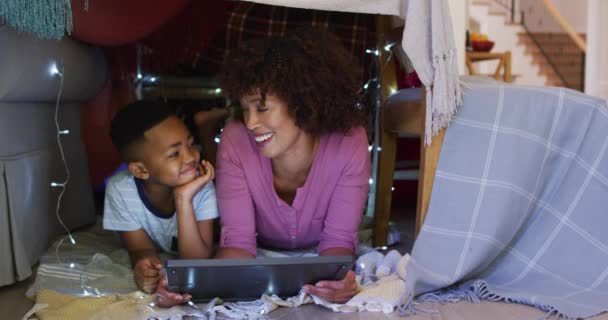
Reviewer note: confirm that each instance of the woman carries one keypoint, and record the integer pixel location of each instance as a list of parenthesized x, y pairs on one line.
[(293, 167)]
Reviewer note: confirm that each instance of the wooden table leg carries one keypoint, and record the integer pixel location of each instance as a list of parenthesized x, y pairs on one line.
[(429, 156), (386, 168)]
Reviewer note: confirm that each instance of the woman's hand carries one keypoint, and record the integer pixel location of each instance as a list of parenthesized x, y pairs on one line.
[(335, 291), (167, 299)]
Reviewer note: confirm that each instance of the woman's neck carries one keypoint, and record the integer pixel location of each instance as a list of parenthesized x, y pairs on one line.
[(298, 161)]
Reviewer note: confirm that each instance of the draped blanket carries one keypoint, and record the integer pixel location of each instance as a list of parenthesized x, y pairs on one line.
[(519, 209)]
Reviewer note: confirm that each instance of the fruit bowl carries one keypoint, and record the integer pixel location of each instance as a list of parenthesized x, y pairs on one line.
[(482, 45)]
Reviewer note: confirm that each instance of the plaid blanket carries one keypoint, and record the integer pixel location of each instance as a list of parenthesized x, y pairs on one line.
[(247, 20), (519, 206)]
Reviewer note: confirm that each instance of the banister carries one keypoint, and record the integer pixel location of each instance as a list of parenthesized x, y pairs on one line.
[(565, 25)]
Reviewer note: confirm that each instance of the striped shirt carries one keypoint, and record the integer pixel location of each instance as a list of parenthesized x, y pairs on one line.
[(126, 208)]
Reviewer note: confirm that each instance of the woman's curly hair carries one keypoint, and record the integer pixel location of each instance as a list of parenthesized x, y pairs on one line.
[(308, 69)]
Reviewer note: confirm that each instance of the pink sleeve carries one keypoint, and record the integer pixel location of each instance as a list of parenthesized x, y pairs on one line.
[(233, 196), (349, 198)]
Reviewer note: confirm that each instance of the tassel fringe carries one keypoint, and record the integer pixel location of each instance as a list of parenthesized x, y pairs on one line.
[(473, 292), (446, 94), (46, 19)]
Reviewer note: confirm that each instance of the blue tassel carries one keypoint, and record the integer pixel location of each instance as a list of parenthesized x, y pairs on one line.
[(45, 19)]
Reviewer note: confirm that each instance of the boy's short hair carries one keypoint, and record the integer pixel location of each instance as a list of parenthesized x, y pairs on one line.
[(131, 122)]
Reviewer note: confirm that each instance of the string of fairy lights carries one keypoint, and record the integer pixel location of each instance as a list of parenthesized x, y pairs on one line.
[(57, 71)]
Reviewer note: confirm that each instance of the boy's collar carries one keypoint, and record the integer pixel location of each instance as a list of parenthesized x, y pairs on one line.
[(144, 198)]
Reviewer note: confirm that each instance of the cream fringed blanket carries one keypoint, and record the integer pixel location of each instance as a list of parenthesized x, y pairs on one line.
[(51, 305)]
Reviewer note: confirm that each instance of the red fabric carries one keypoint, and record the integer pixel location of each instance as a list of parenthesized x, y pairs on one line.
[(117, 22), (407, 80), (103, 158), (178, 42)]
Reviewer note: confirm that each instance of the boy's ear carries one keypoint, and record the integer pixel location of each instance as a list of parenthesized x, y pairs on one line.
[(138, 170)]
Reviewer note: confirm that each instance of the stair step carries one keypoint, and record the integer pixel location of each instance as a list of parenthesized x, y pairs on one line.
[(497, 13), (481, 2)]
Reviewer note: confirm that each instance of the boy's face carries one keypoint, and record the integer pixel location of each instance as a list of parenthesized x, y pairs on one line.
[(169, 154)]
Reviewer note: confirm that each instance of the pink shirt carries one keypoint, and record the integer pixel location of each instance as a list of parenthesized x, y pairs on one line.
[(326, 210)]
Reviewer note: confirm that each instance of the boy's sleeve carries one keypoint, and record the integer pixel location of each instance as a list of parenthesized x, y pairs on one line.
[(116, 213), (205, 203)]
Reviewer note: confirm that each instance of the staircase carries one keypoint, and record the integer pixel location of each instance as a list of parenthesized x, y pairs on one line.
[(559, 63), (545, 71), (489, 18)]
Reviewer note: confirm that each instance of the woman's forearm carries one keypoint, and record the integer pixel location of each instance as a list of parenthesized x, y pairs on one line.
[(336, 252), (233, 253)]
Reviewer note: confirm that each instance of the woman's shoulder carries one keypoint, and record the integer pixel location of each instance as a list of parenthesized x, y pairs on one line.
[(234, 128), (236, 132), (353, 139)]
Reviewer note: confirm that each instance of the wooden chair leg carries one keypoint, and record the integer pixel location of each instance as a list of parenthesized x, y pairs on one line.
[(429, 156), (384, 183)]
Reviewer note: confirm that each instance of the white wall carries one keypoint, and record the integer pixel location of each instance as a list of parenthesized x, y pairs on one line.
[(575, 12), (459, 13), (596, 68)]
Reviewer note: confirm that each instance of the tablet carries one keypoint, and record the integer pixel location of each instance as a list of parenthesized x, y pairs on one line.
[(248, 279)]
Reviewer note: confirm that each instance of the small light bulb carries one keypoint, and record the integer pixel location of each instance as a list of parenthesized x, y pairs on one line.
[(54, 70), (392, 188), (218, 90), (72, 265), (370, 148), (371, 181), (64, 131), (152, 79), (217, 139), (72, 240), (139, 76)]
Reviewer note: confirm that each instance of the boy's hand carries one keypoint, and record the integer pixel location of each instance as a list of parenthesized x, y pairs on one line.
[(147, 273), (187, 191), (165, 298)]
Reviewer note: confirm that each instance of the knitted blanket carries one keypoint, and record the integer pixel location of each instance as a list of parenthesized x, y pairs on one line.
[(519, 203)]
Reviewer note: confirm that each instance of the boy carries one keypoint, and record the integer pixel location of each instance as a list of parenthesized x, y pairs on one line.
[(165, 199)]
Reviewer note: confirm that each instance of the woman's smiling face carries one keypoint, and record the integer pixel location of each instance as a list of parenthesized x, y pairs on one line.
[(269, 122)]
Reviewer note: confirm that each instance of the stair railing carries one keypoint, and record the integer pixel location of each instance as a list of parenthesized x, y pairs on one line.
[(509, 5), (561, 46)]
